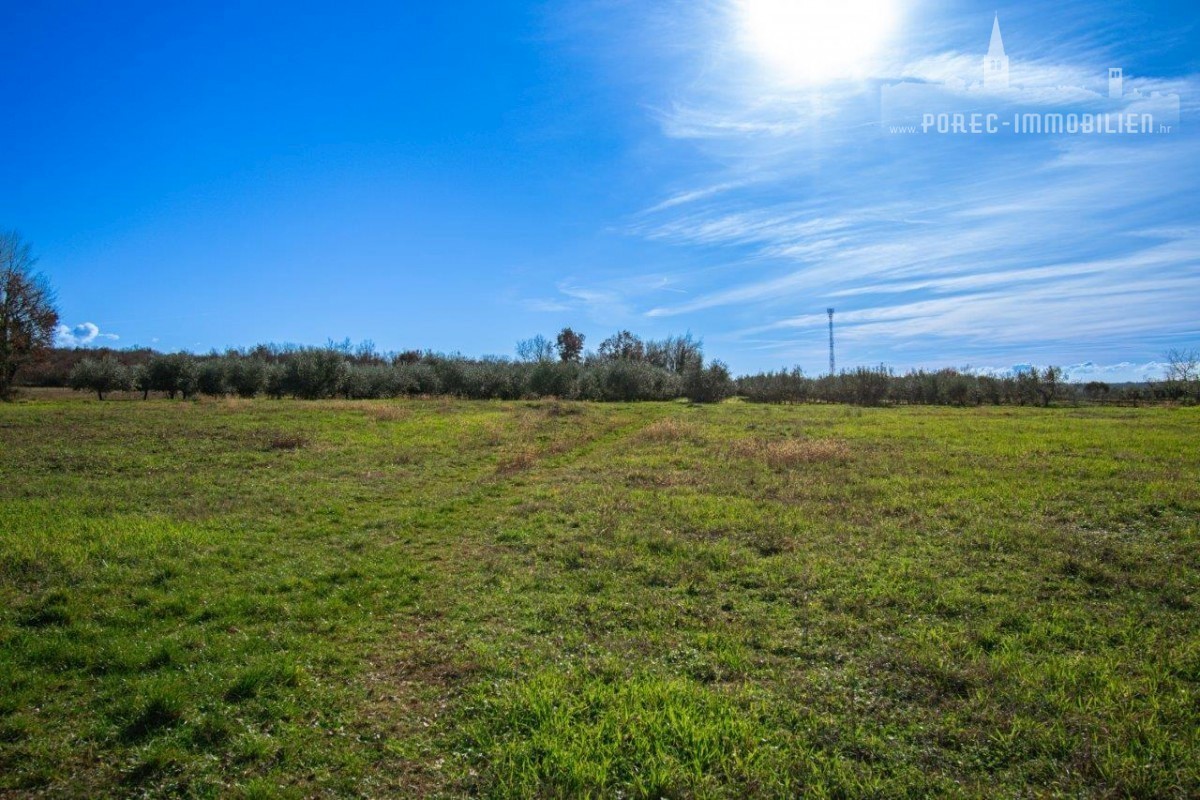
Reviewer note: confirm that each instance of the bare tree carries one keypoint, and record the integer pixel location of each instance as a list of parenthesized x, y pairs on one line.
[(1183, 365), (675, 353), (1183, 374), (28, 318), (538, 348)]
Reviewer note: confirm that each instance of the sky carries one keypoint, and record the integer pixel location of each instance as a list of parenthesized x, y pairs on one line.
[(460, 176)]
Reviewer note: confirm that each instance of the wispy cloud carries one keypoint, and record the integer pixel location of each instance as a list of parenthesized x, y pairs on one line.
[(934, 250), (972, 244)]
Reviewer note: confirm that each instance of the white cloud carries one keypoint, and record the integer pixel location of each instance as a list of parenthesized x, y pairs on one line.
[(546, 306), (1123, 372), (83, 335)]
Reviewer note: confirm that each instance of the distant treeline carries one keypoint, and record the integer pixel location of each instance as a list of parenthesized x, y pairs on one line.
[(624, 368), (878, 386)]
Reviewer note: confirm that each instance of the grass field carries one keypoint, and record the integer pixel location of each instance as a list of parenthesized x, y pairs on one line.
[(436, 598)]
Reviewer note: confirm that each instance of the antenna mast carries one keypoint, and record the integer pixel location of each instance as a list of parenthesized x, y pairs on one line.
[(832, 369)]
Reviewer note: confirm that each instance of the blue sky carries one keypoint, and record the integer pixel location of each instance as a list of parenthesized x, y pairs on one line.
[(459, 176)]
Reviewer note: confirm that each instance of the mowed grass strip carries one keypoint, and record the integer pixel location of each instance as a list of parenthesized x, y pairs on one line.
[(442, 598)]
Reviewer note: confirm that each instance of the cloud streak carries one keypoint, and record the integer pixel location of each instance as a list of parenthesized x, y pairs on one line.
[(939, 247)]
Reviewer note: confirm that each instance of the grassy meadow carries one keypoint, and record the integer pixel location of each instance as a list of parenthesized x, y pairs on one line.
[(257, 598)]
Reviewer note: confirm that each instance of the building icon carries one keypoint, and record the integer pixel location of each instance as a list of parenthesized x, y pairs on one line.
[(1116, 83), (995, 63)]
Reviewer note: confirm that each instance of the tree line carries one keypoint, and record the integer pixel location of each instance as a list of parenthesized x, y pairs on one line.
[(624, 368), (872, 386)]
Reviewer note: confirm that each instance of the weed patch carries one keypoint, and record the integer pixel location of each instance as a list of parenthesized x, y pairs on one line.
[(790, 453)]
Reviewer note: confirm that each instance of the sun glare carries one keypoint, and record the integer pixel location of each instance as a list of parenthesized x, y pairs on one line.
[(810, 41)]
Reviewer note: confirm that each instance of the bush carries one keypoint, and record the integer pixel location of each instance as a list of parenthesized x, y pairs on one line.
[(495, 380), (554, 379), (776, 387), (709, 384), (100, 376), (417, 379), (867, 386), (275, 381), (313, 373), (371, 382), (451, 376), (622, 380)]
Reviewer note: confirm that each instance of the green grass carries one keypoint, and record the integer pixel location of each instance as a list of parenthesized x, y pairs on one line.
[(436, 598)]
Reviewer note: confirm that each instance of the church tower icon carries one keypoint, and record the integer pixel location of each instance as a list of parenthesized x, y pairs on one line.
[(995, 63), (1116, 83)]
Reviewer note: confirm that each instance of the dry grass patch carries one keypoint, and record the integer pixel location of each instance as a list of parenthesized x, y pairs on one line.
[(386, 412), (517, 461), (557, 408), (278, 440), (787, 453)]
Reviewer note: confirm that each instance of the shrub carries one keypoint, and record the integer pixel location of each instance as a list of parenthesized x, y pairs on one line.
[(313, 373), (275, 381), (371, 382), (499, 380), (417, 378), (451, 376), (625, 381), (867, 386), (709, 384), (553, 379), (776, 387), (1097, 391)]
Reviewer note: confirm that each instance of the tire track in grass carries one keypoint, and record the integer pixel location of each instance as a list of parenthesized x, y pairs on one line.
[(422, 668)]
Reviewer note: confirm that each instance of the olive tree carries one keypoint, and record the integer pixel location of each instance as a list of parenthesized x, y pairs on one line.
[(100, 376), (172, 374)]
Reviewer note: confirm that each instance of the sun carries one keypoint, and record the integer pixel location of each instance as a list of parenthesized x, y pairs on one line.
[(813, 41)]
